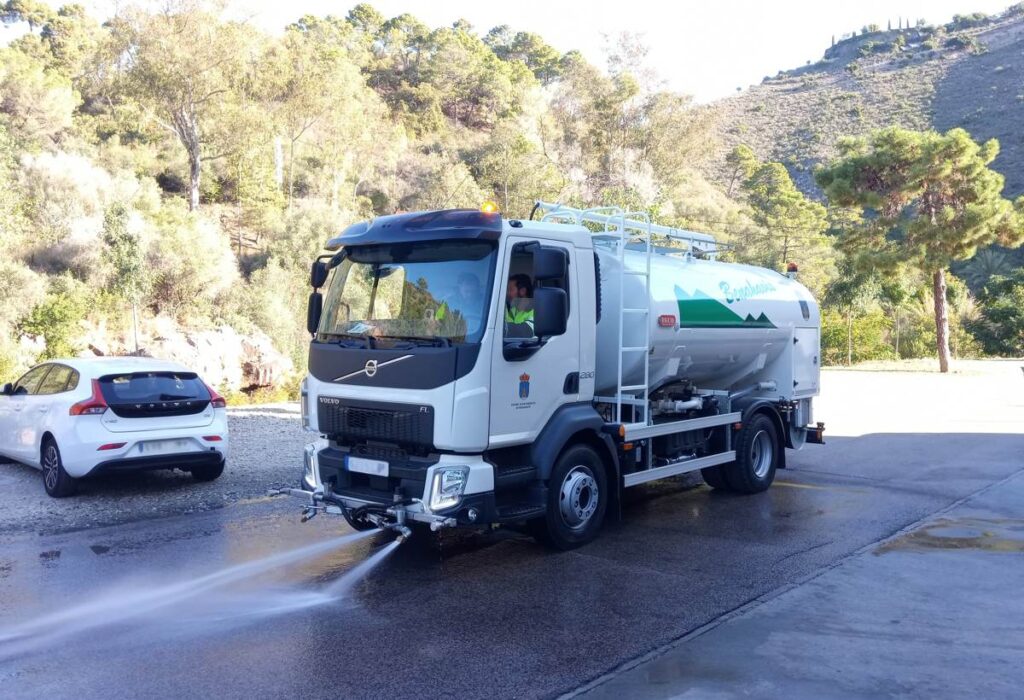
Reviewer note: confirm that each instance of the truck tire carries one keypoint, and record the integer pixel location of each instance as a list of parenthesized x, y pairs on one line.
[(577, 499), (57, 482), (715, 478), (757, 456)]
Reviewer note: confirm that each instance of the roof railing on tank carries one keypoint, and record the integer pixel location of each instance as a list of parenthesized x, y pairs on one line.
[(696, 242)]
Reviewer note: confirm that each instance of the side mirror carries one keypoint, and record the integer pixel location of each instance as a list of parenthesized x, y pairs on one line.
[(550, 312), (313, 312), (7, 390), (318, 274), (549, 264)]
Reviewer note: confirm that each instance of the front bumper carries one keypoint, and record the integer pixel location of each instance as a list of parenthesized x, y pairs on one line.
[(476, 506)]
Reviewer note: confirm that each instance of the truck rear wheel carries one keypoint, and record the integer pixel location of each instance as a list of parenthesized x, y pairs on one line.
[(757, 456), (577, 499)]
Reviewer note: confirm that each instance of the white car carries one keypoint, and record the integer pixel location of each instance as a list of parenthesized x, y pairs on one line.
[(72, 418)]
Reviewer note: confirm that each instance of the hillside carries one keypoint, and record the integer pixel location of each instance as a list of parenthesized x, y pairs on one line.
[(966, 74)]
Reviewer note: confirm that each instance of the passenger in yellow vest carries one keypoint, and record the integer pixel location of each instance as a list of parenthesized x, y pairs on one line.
[(466, 300), (518, 307)]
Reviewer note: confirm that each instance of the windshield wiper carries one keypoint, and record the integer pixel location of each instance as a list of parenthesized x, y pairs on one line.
[(355, 341), (422, 339)]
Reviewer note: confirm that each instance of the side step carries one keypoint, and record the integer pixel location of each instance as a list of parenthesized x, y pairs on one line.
[(519, 511), (514, 476), (676, 468)]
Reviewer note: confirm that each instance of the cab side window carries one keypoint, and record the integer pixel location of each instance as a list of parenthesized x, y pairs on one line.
[(537, 282), (518, 307), (56, 380), (29, 383)]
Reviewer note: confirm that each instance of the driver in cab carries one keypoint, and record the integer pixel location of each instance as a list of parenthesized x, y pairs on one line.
[(519, 307)]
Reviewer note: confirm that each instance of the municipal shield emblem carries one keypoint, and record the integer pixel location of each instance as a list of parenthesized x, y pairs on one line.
[(524, 386)]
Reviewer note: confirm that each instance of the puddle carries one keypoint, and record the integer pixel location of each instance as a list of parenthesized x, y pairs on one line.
[(988, 535)]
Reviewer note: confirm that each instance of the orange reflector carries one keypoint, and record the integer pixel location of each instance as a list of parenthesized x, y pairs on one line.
[(667, 321), (622, 431), (627, 446), (488, 207)]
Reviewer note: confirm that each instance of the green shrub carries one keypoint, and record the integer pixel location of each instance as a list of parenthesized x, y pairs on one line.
[(191, 263), (868, 338), (999, 328), (58, 319)]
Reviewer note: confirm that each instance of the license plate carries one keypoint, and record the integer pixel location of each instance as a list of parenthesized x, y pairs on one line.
[(373, 467), (165, 446)]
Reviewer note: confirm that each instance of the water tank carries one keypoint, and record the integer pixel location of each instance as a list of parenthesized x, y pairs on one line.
[(719, 325)]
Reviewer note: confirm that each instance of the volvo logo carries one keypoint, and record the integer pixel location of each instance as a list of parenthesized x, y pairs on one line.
[(370, 368)]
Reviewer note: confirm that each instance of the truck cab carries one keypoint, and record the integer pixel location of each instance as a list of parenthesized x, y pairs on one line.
[(452, 378)]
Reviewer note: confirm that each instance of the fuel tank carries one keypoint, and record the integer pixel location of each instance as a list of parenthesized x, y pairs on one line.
[(717, 324)]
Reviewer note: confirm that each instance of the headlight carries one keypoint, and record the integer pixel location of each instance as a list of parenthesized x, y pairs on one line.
[(303, 399), (447, 487), (309, 466)]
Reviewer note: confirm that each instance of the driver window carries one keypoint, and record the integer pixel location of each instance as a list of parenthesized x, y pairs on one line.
[(518, 307), (29, 383)]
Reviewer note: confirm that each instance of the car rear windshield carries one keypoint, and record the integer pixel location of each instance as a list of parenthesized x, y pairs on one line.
[(144, 394)]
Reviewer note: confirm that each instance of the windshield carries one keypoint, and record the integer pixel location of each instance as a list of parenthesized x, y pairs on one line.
[(434, 291)]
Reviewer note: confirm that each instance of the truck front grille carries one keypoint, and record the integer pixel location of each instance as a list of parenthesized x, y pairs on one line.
[(349, 421)]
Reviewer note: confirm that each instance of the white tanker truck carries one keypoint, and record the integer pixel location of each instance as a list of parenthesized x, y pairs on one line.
[(468, 370)]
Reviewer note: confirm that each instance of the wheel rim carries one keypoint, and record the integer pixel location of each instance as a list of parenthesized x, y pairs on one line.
[(578, 497), (761, 454), (51, 467)]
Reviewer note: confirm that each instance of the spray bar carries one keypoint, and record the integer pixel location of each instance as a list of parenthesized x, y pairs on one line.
[(387, 517)]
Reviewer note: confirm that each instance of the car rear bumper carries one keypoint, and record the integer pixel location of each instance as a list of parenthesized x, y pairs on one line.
[(186, 461), (88, 449)]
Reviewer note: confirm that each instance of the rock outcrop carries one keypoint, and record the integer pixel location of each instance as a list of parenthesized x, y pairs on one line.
[(227, 359)]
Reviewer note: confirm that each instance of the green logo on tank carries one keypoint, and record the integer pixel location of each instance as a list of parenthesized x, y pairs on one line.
[(701, 311)]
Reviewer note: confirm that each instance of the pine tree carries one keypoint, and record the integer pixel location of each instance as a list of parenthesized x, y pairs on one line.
[(925, 199)]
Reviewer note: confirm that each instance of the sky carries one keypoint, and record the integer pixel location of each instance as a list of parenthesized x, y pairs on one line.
[(706, 48)]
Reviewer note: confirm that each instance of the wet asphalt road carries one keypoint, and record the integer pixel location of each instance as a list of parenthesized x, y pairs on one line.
[(498, 616)]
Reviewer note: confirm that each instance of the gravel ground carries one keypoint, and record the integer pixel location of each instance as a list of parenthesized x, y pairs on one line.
[(266, 452)]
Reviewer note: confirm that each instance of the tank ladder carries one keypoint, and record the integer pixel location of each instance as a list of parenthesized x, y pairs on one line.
[(626, 225), (643, 274)]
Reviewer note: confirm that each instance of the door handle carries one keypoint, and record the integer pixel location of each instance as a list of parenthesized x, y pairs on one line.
[(43, 409)]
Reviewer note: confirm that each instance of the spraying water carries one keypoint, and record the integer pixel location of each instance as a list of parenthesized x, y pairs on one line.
[(343, 586), (164, 606)]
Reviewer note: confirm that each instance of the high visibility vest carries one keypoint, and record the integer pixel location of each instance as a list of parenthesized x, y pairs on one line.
[(514, 315)]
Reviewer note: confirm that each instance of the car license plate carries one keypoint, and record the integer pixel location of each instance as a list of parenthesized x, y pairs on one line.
[(373, 467), (159, 447)]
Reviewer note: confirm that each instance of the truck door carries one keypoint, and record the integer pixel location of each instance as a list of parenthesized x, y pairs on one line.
[(532, 376)]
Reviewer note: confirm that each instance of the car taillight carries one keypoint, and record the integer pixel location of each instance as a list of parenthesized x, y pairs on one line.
[(92, 406), (216, 400), (212, 438)]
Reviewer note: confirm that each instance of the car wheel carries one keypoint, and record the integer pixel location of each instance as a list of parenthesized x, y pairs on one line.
[(577, 499), (757, 456), (57, 482), (207, 473)]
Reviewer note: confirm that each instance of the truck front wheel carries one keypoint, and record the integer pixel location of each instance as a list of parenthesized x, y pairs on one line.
[(757, 456), (577, 499)]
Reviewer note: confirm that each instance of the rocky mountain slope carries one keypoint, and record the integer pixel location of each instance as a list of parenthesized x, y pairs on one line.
[(966, 73)]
